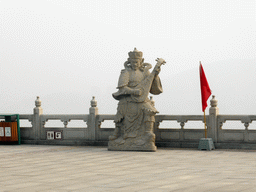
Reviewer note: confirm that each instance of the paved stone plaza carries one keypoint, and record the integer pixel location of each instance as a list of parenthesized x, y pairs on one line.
[(70, 168)]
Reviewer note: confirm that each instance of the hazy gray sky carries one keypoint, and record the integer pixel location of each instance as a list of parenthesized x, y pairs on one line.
[(68, 51)]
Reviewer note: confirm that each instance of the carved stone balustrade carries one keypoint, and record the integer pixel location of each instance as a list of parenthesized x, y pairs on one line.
[(93, 134)]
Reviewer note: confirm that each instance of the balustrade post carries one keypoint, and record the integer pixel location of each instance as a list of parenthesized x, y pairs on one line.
[(92, 124), (36, 123), (212, 130)]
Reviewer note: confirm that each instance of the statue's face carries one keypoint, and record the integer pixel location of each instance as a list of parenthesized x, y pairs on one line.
[(135, 63)]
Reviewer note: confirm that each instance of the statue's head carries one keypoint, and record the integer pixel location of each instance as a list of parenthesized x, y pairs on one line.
[(135, 59)]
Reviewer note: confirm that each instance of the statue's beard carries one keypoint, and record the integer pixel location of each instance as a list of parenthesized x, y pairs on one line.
[(135, 67)]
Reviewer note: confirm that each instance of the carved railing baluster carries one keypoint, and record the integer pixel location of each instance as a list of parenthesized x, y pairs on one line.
[(182, 124)]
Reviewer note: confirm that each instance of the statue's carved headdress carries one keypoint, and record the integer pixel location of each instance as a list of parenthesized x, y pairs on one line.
[(135, 54)]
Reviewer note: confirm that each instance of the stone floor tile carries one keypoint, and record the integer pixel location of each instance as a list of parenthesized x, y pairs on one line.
[(70, 168)]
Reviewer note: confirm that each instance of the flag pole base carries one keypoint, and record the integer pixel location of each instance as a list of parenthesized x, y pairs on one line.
[(206, 144)]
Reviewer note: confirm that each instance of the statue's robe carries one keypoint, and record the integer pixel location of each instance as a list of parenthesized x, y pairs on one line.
[(131, 115)]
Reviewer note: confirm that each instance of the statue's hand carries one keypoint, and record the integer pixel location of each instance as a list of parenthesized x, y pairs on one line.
[(137, 92)]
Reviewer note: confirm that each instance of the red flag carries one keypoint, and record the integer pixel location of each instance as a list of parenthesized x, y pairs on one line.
[(205, 88)]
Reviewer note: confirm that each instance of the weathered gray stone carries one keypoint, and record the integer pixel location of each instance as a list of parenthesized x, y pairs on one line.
[(94, 134), (213, 114), (135, 115), (38, 111), (206, 144)]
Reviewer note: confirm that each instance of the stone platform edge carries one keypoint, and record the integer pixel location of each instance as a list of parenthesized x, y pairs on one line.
[(170, 144)]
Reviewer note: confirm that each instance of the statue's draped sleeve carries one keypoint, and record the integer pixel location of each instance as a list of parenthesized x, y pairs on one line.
[(122, 82), (123, 79)]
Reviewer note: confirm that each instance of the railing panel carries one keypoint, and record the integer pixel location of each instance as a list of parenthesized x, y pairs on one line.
[(26, 127), (59, 123), (181, 121), (234, 134), (186, 127), (233, 125), (170, 135), (64, 119), (107, 124), (193, 134), (171, 124), (53, 124), (75, 133), (190, 124), (105, 130), (252, 126), (77, 124), (252, 136), (102, 118), (25, 123)]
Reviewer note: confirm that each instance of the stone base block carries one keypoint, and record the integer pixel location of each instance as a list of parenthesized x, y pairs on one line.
[(206, 144), (129, 145)]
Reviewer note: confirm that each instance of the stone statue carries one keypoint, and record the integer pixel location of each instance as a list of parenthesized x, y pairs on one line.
[(135, 115)]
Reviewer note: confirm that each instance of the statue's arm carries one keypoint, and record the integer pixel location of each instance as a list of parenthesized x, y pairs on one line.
[(128, 91), (123, 89), (123, 84)]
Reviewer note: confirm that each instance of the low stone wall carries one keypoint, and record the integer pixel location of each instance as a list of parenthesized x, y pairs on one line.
[(94, 134)]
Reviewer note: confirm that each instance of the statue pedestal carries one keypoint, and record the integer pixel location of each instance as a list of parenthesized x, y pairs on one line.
[(131, 144), (206, 144)]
